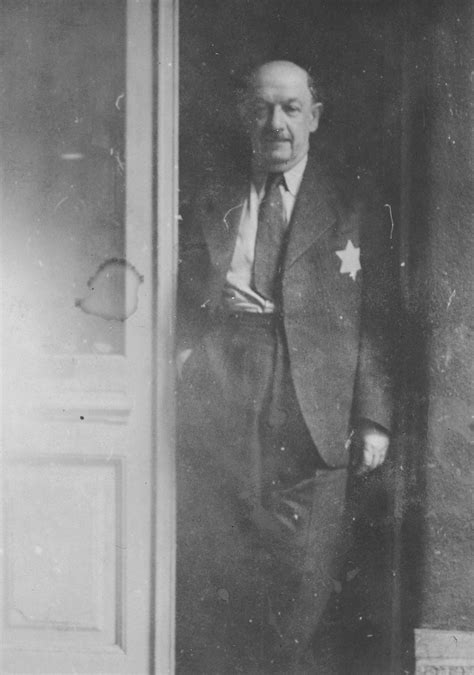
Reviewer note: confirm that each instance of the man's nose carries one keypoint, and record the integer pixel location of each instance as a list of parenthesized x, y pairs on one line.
[(276, 119)]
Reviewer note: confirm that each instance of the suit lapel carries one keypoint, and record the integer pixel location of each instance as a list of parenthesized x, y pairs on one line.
[(312, 217), (223, 209), (313, 214)]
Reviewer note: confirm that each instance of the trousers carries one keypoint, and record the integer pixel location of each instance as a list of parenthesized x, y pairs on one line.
[(260, 516)]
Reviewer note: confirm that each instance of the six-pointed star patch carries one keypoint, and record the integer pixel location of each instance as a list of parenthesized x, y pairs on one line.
[(350, 257)]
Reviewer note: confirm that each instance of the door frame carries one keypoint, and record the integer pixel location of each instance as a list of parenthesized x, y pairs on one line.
[(152, 199)]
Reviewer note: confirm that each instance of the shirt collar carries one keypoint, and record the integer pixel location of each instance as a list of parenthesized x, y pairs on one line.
[(293, 178)]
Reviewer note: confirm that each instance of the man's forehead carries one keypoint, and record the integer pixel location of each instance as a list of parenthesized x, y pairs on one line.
[(280, 79), (286, 93)]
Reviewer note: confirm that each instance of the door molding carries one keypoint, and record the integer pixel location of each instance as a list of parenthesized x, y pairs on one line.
[(152, 191), (166, 213)]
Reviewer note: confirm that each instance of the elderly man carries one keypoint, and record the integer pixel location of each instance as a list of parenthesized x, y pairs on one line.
[(284, 345)]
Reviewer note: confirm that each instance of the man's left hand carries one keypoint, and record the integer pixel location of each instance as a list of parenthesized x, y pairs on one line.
[(374, 444)]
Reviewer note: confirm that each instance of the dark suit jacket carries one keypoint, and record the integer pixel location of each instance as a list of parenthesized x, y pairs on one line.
[(338, 329)]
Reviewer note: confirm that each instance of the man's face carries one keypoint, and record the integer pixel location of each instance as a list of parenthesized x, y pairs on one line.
[(280, 115)]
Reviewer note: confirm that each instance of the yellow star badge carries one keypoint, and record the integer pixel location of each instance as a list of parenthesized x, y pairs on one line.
[(350, 257)]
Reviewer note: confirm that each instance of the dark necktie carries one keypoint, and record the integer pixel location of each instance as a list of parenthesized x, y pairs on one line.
[(270, 234)]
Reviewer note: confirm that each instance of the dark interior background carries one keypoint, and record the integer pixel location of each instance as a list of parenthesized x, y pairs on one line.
[(342, 43)]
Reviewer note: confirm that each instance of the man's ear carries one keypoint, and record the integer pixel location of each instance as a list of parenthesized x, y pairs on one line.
[(316, 112)]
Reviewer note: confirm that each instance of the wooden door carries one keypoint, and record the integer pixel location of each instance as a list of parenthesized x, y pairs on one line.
[(86, 554)]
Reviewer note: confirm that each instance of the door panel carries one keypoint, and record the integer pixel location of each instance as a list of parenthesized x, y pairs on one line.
[(86, 553), (69, 593)]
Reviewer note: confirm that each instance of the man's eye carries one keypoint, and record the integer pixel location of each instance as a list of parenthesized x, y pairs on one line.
[(292, 109)]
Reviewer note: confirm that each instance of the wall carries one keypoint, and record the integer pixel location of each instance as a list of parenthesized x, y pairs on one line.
[(441, 240), (434, 480)]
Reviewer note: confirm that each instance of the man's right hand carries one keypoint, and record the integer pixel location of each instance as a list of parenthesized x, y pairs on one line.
[(370, 444)]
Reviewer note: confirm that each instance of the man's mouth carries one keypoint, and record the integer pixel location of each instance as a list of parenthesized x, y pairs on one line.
[(275, 141)]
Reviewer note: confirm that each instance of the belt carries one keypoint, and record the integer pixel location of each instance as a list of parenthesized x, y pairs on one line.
[(222, 317)]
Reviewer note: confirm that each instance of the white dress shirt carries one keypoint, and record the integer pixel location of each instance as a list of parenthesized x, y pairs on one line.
[(239, 296)]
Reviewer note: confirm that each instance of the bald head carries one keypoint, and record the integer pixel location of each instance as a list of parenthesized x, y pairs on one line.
[(291, 70), (280, 114)]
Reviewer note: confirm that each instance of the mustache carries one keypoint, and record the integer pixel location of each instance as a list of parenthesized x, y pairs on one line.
[(274, 136)]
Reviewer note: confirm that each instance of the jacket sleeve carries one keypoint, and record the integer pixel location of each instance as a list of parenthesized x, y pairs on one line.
[(380, 321), (193, 271)]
